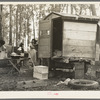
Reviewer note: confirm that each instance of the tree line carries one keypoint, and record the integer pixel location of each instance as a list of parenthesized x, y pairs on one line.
[(20, 23)]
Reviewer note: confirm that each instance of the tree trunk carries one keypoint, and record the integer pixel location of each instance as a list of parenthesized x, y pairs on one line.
[(17, 27), (28, 30), (0, 20), (66, 8), (20, 30), (80, 10), (71, 9), (3, 21), (33, 28), (92, 6), (28, 35), (10, 32), (25, 35), (57, 7)]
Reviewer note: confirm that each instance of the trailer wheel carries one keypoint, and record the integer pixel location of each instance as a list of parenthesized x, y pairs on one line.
[(83, 84)]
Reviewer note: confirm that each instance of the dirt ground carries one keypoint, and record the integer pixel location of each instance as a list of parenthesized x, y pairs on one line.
[(9, 79)]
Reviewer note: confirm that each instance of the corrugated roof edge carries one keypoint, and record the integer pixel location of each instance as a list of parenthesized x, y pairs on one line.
[(74, 16)]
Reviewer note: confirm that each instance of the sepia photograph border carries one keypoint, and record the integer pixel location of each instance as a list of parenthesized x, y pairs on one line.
[(27, 95)]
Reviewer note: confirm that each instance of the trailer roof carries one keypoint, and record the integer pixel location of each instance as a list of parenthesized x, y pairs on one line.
[(76, 17)]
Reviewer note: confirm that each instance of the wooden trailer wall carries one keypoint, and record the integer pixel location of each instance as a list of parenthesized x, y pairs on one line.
[(79, 39), (97, 58)]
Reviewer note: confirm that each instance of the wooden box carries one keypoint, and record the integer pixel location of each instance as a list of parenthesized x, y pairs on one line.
[(41, 76), (41, 69)]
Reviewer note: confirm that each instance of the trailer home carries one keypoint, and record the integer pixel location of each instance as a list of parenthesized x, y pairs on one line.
[(68, 38)]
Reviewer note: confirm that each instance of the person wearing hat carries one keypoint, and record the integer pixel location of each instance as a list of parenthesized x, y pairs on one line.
[(3, 53)]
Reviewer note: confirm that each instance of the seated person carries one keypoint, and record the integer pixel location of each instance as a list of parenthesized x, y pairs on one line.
[(20, 49)]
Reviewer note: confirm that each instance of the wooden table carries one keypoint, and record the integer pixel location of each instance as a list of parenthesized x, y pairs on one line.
[(15, 62)]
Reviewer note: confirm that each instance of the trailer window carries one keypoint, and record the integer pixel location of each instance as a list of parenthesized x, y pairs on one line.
[(44, 32)]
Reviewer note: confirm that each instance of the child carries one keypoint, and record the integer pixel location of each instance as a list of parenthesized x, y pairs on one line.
[(21, 49)]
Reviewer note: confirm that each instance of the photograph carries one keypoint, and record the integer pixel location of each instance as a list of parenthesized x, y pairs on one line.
[(50, 47)]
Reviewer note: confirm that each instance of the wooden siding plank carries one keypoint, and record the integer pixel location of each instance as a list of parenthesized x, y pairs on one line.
[(44, 54), (79, 49), (76, 42), (44, 41), (82, 35), (44, 48), (45, 25), (81, 55), (80, 26)]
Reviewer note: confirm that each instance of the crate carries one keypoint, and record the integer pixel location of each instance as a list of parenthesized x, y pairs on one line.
[(41, 69), (41, 76)]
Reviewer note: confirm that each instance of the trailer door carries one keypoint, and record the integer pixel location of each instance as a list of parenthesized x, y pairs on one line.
[(44, 39)]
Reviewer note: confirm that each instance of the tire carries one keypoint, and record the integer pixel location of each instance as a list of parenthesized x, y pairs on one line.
[(83, 84)]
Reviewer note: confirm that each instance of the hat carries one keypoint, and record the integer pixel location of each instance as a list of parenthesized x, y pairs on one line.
[(2, 40)]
